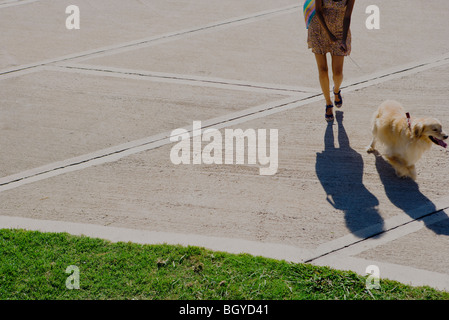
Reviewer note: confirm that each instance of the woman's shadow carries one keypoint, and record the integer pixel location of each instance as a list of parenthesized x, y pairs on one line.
[(340, 171), (405, 194)]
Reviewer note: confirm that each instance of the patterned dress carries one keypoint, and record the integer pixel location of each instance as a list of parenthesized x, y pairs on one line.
[(318, 40)]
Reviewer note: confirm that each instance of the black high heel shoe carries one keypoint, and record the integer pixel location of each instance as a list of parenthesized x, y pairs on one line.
[(338, 104), (329, 117)]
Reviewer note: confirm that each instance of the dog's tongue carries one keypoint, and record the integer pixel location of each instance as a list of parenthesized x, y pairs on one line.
[(441, 143)]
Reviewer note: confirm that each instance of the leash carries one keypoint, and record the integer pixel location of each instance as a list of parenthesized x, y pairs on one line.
[(355, 63)]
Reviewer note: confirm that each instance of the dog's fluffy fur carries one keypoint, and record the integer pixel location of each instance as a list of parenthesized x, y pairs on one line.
[(404, 143)]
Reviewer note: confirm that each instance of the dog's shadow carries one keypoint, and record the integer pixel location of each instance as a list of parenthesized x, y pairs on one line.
[(405, 194), (340, 171)]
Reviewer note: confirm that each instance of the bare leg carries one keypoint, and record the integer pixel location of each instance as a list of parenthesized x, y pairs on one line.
[(323, 74), (337, 74)]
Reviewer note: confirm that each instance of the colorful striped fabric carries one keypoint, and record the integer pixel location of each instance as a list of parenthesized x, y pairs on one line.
[(309, 11)]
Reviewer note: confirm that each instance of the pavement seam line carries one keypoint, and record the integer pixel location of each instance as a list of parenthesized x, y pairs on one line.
[(144, 43), (112, 49), (412, 220), (14, 3), (191, 79)]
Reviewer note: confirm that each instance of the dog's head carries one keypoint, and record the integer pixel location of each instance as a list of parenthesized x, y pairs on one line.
[(430, 128)]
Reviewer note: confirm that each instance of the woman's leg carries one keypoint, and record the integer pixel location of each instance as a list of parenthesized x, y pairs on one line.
[(323, 74), (337, 74)]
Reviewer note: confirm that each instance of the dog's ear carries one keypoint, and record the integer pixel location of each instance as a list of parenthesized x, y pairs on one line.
[(418, 129)]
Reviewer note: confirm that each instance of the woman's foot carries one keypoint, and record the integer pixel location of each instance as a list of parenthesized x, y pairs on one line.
[(338, 99), (329, 116)]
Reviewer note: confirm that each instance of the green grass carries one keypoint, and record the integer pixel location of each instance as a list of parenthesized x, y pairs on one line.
[(33, 265)]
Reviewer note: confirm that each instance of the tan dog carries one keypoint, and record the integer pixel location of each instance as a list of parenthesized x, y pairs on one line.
[(405, 139)]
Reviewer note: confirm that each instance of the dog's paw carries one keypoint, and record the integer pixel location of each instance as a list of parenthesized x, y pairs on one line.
[(401, 172), (405, 174), (412, 172), (370, 149), (402, 176)]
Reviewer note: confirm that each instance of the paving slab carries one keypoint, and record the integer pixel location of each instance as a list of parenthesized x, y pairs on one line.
[(40, 26), (62, 115), (432, 255)]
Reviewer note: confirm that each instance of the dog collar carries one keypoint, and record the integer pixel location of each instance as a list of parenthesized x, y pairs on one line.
[(408, 121)]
